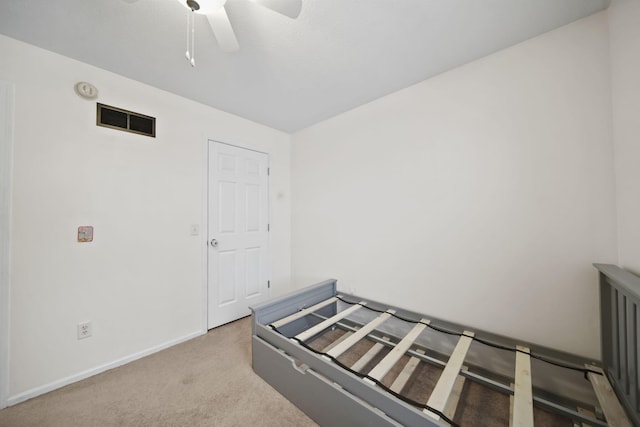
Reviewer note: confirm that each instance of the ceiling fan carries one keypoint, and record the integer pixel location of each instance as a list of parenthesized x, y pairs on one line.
[(219, 21)]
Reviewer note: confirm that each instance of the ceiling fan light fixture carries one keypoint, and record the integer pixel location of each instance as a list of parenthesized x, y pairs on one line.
[(203, 7)]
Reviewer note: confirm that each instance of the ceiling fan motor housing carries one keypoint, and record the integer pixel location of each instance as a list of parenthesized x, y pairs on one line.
[(193, 5), (203, 6)]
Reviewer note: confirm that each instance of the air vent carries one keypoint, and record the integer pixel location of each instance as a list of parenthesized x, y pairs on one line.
[(128, 121)]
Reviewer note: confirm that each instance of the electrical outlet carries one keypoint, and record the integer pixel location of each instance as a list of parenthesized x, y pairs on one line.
[(84, 330)]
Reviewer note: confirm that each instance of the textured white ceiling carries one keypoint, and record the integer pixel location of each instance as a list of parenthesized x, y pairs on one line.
[(288, 74)]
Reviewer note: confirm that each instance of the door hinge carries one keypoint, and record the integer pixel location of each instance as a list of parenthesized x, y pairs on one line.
[(268, 171), (269, 284), (268, 227)]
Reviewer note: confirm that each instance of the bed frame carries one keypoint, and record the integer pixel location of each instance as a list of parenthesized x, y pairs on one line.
[(338, 393)]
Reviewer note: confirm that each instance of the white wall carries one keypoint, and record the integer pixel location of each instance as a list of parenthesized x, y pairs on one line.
[(481, 196), (624, 29), (141, 281)]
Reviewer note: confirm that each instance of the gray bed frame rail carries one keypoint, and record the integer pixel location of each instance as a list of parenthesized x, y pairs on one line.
[(620, 324), (331, 395)]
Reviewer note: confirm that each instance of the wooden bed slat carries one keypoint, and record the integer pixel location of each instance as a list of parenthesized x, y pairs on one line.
[(299, 314), (454, 398), (613, 411), (305, 335), (362, 332), (398, 351), (587, 413), (338, 341), (522, 390), (369, 355), (442, 391), (406, 373)]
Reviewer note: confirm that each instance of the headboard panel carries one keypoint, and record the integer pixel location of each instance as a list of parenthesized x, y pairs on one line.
[(620, 325)]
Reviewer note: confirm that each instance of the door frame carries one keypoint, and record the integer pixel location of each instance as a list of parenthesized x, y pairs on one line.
[(205, 223), (6, 177)]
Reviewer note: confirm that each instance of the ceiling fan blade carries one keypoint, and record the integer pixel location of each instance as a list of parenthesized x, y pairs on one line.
[(221, 26), (290, 8)]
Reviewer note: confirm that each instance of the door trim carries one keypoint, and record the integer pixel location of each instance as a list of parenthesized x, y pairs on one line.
[(205, 224), (6, 175), (204, 232)]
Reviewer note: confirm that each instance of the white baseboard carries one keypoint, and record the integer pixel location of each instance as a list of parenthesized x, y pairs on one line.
[(37, 391)]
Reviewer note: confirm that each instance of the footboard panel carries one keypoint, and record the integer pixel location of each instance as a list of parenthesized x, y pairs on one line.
[(620, 325)]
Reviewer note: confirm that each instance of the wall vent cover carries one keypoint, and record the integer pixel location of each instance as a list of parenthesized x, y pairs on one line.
[(128, 121)]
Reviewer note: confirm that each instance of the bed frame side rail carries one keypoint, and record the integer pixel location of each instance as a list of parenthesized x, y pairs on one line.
[(620, 325)]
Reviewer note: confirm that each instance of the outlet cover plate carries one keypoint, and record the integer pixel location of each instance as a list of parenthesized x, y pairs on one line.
[(84, 330)]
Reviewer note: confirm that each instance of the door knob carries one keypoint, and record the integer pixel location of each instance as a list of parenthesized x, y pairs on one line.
[(213, 243)]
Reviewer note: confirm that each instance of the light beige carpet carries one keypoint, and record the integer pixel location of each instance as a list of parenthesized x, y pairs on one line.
[(207, 381)]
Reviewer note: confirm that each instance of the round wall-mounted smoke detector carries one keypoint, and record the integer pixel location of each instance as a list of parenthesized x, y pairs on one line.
[(86, 90)]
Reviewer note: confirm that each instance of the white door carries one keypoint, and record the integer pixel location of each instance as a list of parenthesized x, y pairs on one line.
[(238, 241)]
